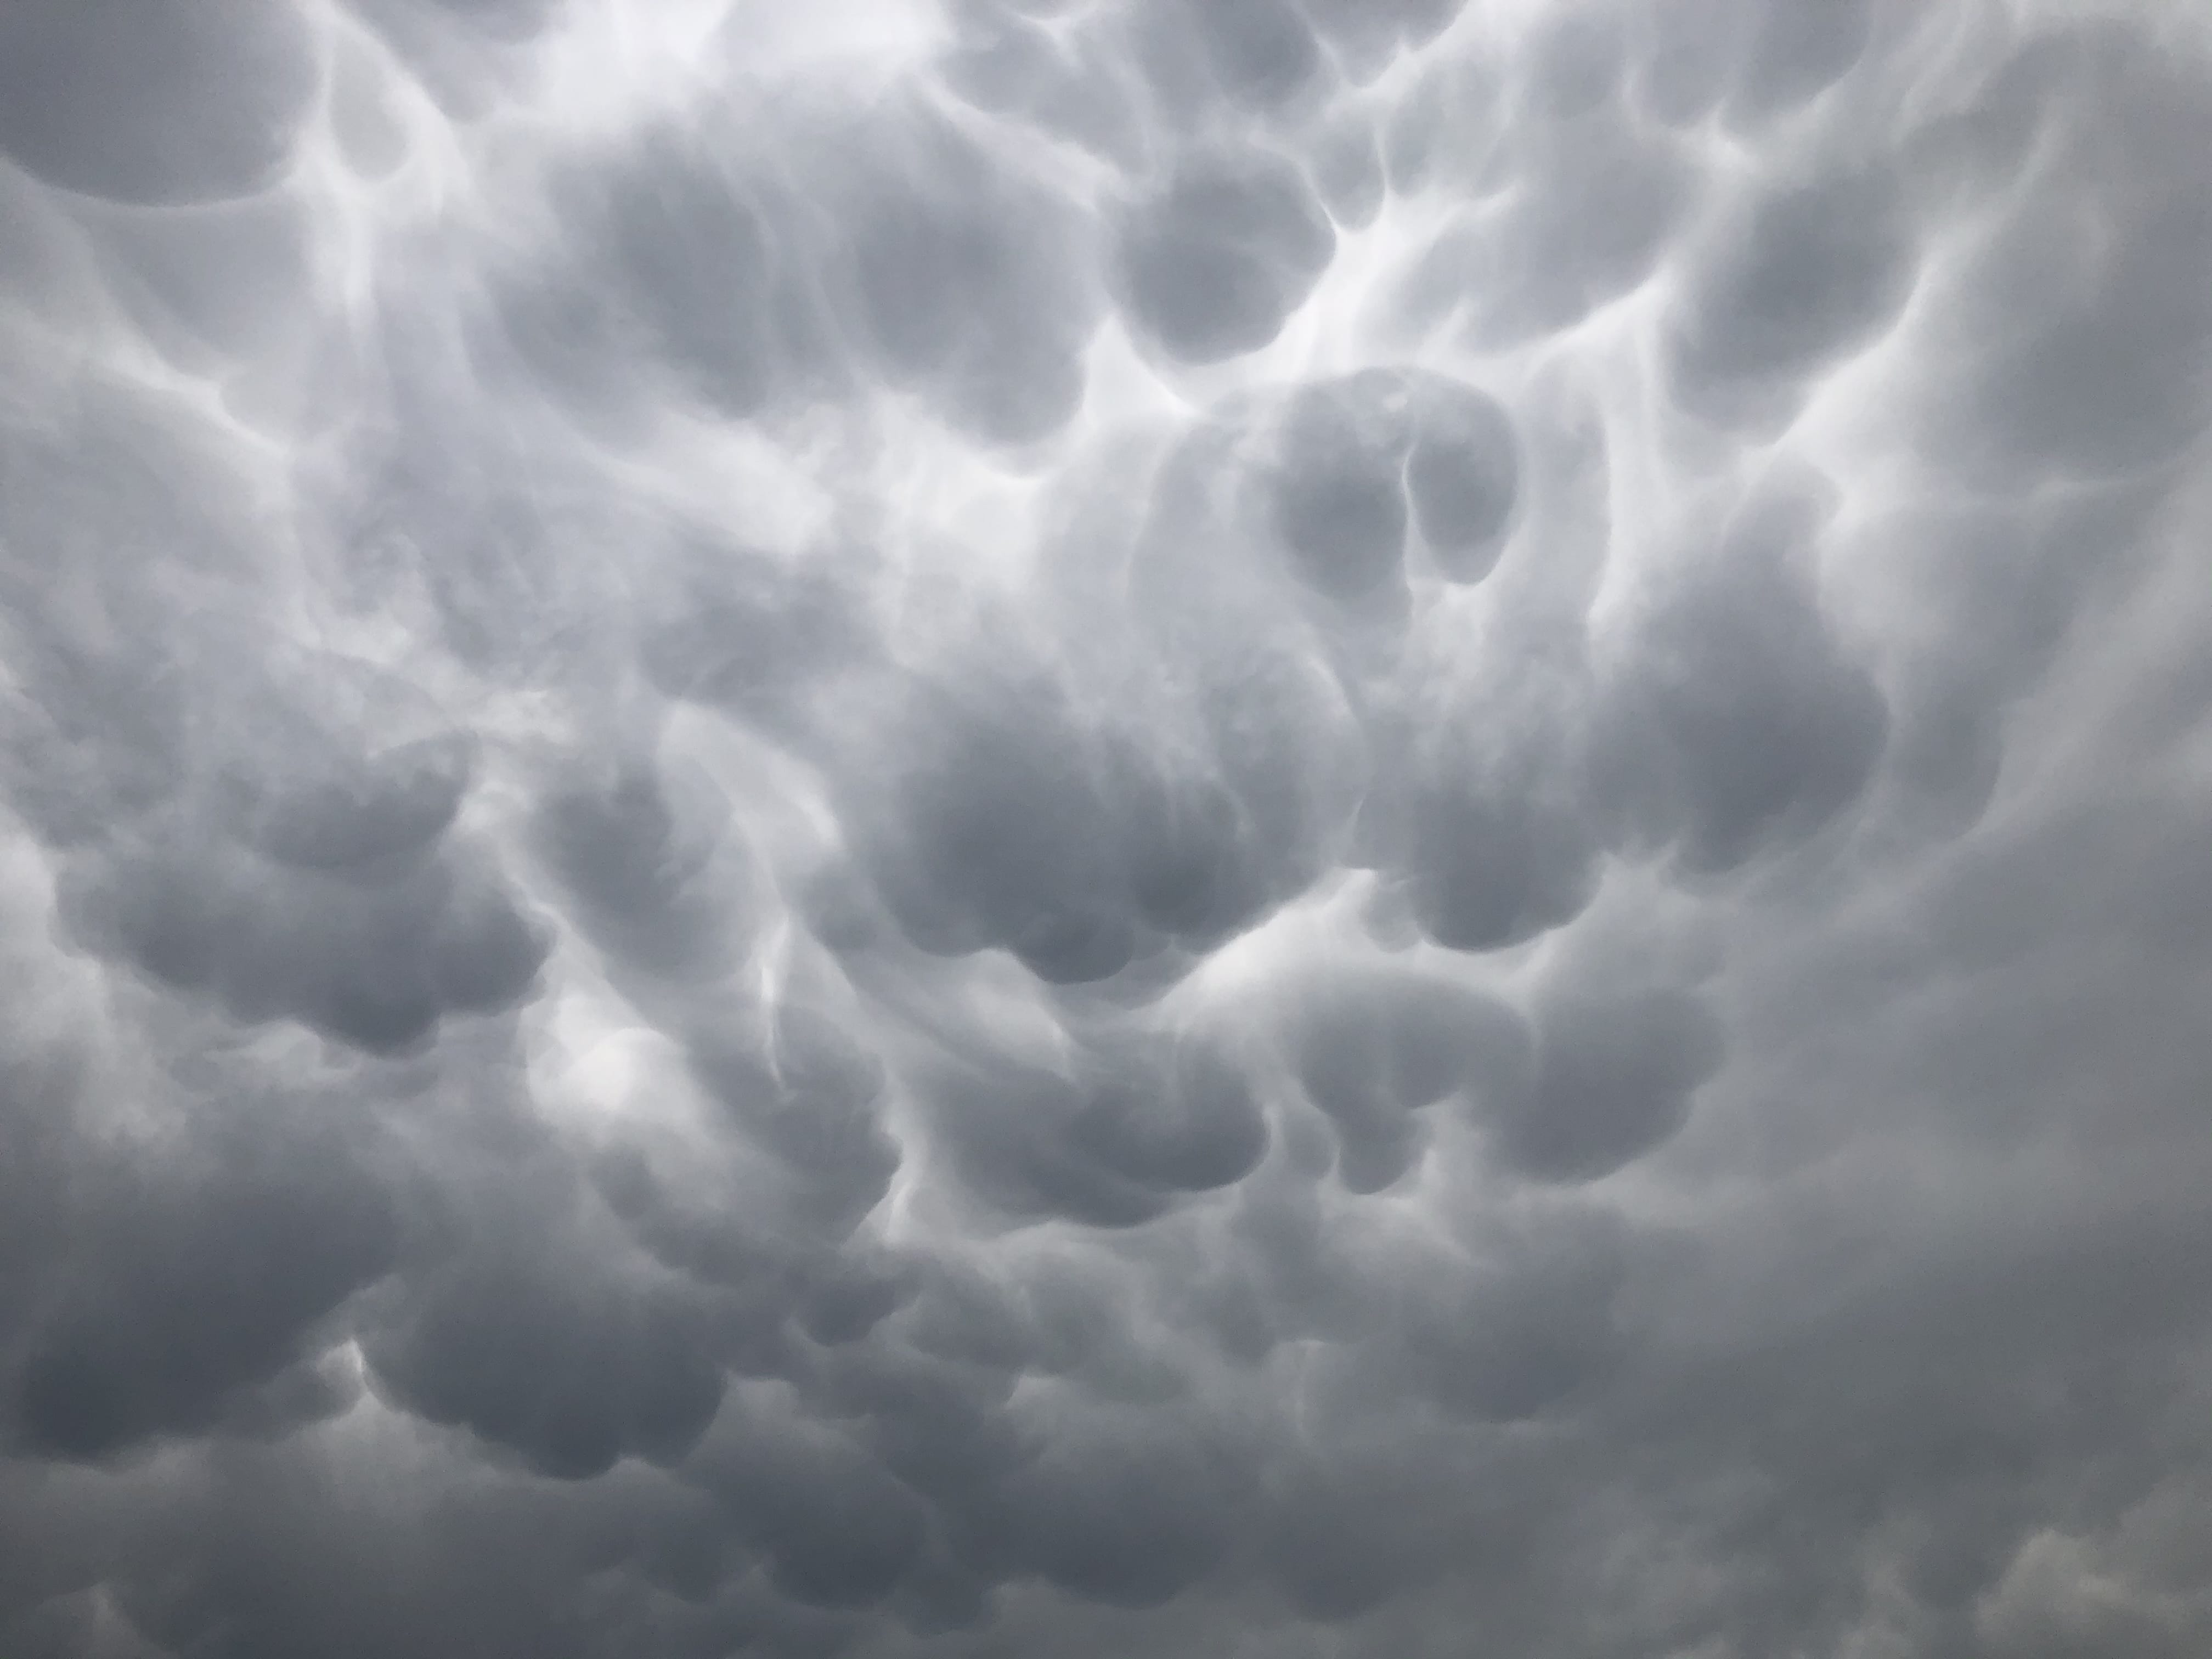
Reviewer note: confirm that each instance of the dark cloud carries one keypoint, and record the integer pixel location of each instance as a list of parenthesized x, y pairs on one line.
[(571, 1373), (375, 963), (963, 278), (2086, 366), (1213, 261), (1613, 1077), (1110, 1146), (1262, 51), (1373, 1052), (1814, 270), (1761, 727), (1462, 475), (146, 103), (812, 1102), (671, 259), (1356, 461), (1130, 1520), (184, 1294), (655, 878), (1338, 496), (1099, 827)]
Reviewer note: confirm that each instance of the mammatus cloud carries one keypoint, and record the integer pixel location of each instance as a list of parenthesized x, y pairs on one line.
[(1099, 827)]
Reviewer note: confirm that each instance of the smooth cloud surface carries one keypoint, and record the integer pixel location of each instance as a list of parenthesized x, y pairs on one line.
[(1292, 827)]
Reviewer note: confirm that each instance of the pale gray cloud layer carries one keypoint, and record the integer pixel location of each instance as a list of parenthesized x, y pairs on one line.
[(1103, 827)]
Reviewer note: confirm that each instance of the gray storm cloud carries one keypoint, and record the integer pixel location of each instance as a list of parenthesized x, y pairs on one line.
[(1105, 827)]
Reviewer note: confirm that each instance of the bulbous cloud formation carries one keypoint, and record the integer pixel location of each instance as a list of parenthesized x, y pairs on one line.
[(1105, 827)]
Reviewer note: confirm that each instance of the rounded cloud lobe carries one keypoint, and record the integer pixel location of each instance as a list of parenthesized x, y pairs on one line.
[(1015, 826)]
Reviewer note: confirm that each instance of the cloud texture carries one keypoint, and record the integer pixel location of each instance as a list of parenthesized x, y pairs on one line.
[(968, 828)]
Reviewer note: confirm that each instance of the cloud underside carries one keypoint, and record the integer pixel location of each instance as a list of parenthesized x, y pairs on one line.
[(1293, 826)]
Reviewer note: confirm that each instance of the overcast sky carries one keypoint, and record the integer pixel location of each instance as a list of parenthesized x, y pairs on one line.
[(1110, 829)]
